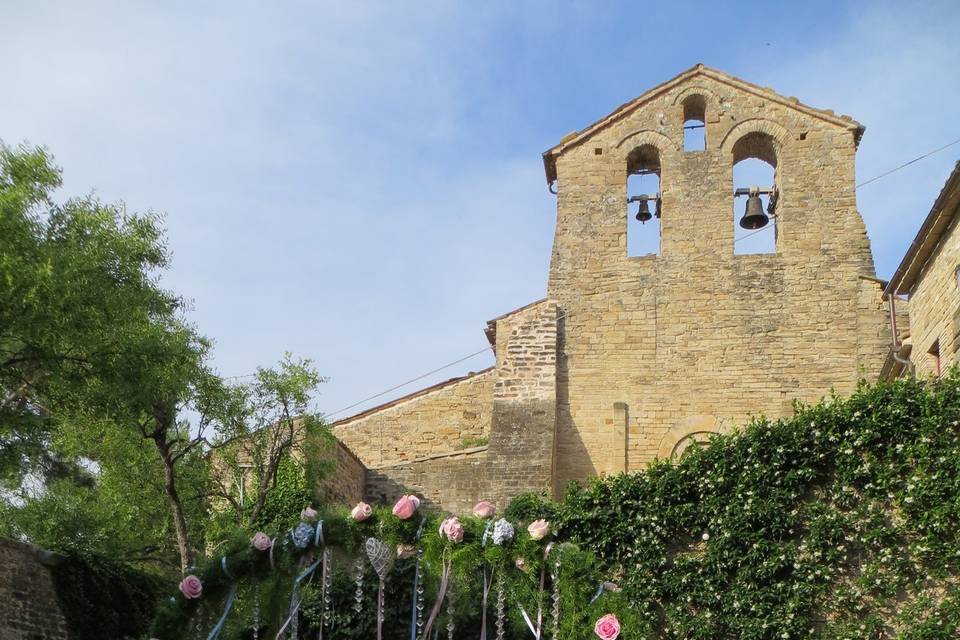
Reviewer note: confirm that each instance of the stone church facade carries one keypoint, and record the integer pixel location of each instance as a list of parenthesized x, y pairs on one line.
[(630, 358)]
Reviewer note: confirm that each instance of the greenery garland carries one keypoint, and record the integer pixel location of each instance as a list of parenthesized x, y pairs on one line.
[(520, 559)]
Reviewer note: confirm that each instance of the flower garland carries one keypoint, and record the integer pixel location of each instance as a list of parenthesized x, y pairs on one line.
[(450, 554)]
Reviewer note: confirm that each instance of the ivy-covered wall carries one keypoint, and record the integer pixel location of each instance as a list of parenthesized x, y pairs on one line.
[(842, 522)]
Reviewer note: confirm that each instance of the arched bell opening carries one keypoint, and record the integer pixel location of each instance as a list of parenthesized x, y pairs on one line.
[(695, 123), (643, 201), (755, 194)]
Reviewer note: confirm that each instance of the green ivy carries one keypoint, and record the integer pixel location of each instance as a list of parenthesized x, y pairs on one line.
[(841, 522)]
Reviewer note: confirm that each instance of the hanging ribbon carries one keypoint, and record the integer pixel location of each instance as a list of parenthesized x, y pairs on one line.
[(223, 566), (537, 629), (487, 582), (599, 593), (444, 582), (294, 600), (226, 610)]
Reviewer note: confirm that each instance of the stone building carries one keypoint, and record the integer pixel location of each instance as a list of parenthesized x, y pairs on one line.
[(929, 277), (631, 357)]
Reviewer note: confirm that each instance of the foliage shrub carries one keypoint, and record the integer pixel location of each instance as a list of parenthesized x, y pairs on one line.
[(841, 522), (101, 598)]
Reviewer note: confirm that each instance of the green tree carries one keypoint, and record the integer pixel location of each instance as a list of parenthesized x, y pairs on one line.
[(76, 283), (89, 340), (276, 426)]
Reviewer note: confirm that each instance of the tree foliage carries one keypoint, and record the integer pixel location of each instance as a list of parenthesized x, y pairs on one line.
[(99, 371)]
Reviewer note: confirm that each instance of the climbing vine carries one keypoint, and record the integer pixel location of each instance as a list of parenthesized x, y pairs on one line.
[(841, 522)]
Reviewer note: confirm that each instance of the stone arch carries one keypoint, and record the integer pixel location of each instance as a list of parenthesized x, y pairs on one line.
[(648, 136), (696, 89), (778, 133), (689, 429)]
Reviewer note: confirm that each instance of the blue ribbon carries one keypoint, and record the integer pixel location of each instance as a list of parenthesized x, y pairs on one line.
[(294, 601), (223, 565), (226, 611), (597, 594), (486, 532)]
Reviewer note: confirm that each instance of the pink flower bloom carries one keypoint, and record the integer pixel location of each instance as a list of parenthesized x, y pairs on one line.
[(405, 551), (361, 512), (309, 515), (484, 509), (406, 506), (452, 529), (261, 541), (539, 529), (191, 587), (607, 627)]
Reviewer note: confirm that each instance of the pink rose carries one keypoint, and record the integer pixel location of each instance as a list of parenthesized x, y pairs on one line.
[(261, 541), (405, 551), (607, 627), (452, 529), (539, 529), (191, 587), (484, 509), (309, 515), (406, 506), (361, 512)]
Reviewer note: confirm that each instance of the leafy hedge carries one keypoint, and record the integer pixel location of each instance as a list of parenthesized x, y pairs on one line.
[(101, 598), (841, 522)]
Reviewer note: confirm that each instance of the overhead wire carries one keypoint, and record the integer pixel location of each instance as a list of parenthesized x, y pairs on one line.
[(563, 315)]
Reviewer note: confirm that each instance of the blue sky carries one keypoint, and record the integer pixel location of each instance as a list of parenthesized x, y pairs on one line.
[(361, 183)]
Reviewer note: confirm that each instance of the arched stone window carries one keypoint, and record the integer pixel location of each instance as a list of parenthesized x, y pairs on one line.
[(697, 437), (755, 165), (643, 203), (695, 123)]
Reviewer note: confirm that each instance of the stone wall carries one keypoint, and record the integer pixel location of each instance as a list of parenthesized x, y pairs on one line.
[(29, 609), (697, 339), (452, 482), (440, 419), (345, 483), (634, 357), (935, 307), (523, 431)]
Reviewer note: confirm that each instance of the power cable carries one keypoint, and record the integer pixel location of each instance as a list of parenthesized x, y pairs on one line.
[(559, 317)]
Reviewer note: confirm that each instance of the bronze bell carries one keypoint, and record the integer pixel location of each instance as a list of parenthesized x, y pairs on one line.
[(753, 216), (643, 213)]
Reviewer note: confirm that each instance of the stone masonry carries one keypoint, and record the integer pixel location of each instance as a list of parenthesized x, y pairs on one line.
[(29, 608), (930, 275), (631, 358)]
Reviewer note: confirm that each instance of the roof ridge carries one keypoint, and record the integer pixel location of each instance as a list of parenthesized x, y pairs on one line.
[(574, 138)]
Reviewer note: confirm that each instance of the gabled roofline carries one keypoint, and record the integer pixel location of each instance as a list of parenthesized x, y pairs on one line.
[(491, 330), (572, 139), (942, 214), (410, 396)]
